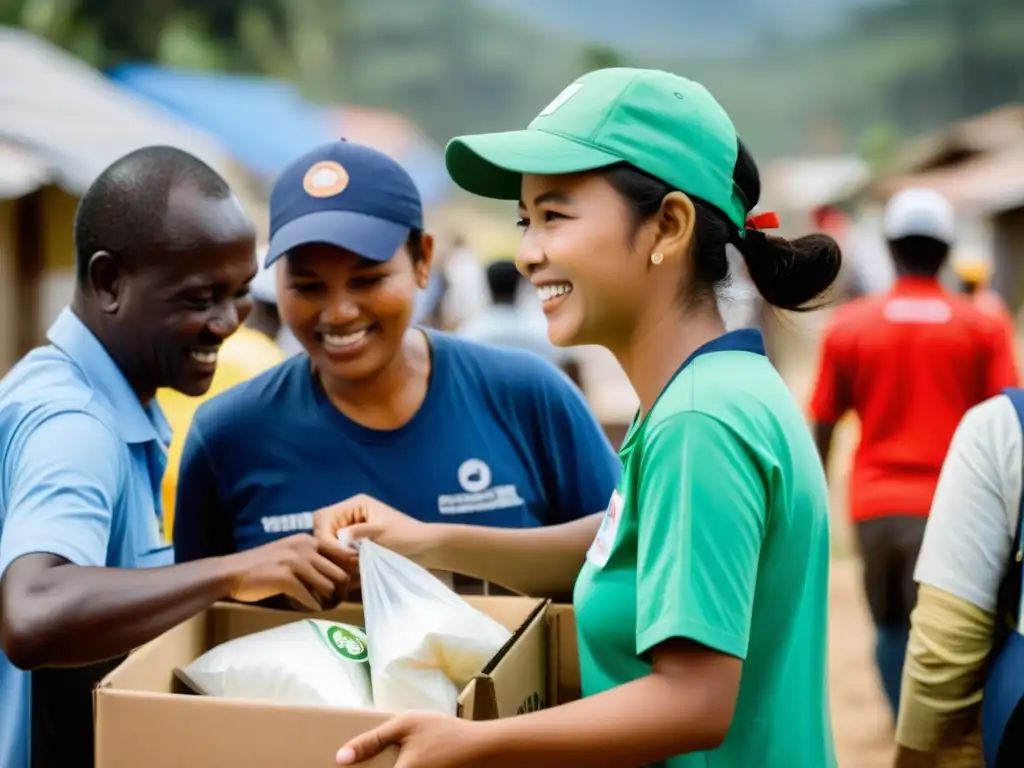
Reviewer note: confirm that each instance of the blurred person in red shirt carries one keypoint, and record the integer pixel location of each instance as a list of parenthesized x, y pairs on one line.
[(909, 362)]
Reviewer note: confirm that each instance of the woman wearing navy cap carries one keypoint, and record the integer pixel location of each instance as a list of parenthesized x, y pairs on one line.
[(438, 427)]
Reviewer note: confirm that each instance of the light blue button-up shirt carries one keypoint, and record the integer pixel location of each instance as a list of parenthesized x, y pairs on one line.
[(81, 460)]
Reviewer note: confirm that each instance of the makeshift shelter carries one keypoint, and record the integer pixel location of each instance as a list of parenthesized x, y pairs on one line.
[(61, 124), (69, 113), (979, 165)]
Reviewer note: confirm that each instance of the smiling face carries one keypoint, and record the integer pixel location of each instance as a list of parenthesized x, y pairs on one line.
[(584, 256), (183, 297), (349, 313), (202, 299)]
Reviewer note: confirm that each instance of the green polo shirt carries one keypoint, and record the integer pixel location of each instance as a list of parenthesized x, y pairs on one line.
[(719, 533)]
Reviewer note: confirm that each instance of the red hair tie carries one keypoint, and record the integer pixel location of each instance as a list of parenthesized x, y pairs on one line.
[(766, 220)]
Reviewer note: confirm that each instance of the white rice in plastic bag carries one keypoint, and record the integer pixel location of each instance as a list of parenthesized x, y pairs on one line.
[(427, 642), (311, 662)]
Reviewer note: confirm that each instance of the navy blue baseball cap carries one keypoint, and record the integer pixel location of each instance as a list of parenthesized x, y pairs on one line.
[(347, 195)]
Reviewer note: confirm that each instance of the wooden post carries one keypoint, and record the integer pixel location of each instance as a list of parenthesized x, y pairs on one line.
[(28, 261)]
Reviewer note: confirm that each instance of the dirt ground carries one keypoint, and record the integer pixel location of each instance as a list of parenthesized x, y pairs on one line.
[(861, 719), (860, 716)]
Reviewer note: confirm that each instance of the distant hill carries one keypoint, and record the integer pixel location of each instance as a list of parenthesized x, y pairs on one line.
[(684, 27), (455, 66), (797, 76)]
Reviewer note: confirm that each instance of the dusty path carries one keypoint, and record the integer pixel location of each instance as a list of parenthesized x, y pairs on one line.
[(860, 717)]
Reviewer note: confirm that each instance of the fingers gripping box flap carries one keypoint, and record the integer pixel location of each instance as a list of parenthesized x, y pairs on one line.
[(145, 716)]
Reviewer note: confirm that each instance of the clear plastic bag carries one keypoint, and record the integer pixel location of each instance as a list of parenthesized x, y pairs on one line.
[(426, 642), (310, 662)]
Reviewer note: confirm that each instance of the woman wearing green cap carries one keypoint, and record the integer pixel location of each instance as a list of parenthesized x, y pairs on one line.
[(701, 601)]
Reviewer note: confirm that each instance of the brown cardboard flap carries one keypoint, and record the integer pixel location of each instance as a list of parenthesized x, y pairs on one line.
[(515, 678), (510, 612), (151, 667), (515, 675), (142, 720), (225, 621), (159, 731), (485, 699), (563, 655)]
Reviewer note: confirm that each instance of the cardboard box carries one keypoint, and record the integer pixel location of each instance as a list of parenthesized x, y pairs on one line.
[(145, 717), (563, 655)]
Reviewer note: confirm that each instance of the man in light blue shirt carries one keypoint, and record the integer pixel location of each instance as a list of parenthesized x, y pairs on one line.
[(164, 257)]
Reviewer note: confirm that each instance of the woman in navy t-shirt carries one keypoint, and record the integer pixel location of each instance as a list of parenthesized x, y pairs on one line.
[(438, 427)]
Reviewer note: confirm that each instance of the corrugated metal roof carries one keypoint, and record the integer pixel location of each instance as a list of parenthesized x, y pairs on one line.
[(989, 183), (66, 112), (990, 131), (975, 162)]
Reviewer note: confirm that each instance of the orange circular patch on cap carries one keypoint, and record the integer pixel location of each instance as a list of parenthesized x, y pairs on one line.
[(325, 179)]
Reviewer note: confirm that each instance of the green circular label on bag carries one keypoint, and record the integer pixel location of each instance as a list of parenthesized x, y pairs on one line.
[(347, 643)]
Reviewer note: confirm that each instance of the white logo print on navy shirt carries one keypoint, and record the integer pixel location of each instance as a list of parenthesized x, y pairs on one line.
[(478, 495)]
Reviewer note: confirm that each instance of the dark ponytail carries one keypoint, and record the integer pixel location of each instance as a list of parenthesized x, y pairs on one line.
[(789, 274)]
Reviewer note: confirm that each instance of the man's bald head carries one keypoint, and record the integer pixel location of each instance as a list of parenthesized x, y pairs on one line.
[(124, 211)]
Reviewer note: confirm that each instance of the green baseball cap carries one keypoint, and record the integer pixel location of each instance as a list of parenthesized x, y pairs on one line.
[(661, 123)]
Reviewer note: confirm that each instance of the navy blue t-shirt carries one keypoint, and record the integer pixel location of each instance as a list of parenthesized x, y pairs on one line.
[(503, 438)]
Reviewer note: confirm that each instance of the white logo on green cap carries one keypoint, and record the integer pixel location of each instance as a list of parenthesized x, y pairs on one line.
[(560, 99)]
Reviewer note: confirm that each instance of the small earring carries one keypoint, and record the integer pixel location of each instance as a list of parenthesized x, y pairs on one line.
[(656, 258)]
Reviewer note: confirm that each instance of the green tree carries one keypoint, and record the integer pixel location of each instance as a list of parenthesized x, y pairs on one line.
[(246, 35), (879, 145), (602, 57)]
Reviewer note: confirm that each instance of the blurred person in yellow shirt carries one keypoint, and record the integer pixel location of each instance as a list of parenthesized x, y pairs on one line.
[(244, 354), (975, 277)]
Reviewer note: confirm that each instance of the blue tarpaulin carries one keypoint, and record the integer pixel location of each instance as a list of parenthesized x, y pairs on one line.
[(263, 123)]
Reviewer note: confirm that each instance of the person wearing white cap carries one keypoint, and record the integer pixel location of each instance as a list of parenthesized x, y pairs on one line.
[(909, 362), (919, 212)]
